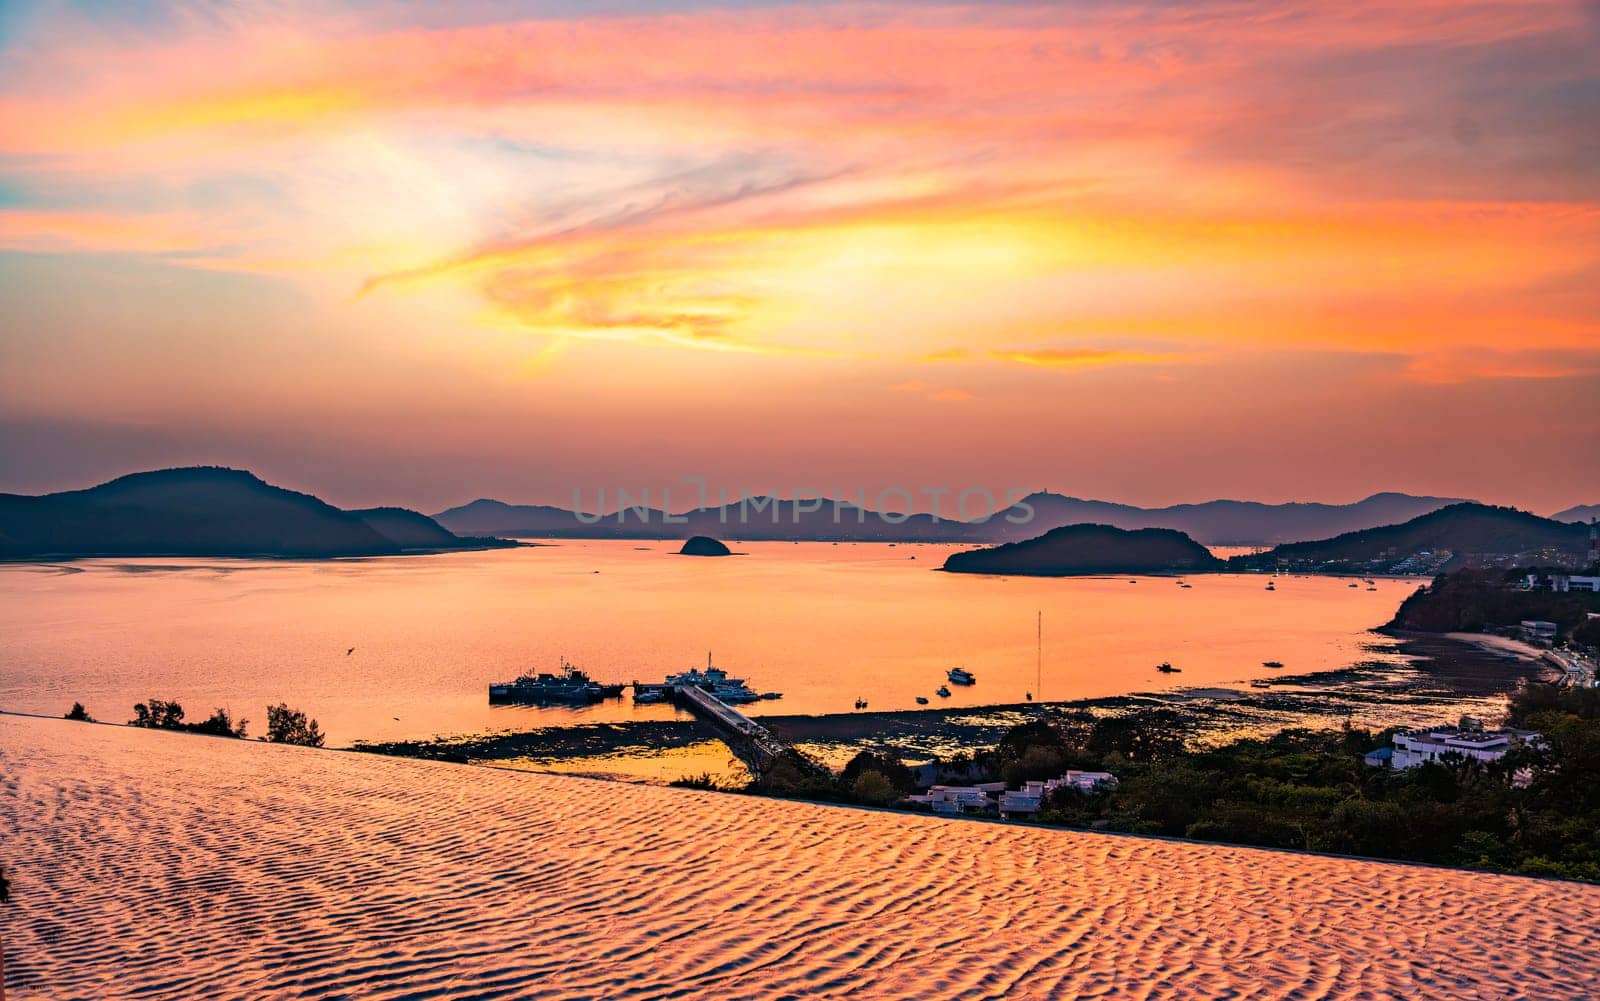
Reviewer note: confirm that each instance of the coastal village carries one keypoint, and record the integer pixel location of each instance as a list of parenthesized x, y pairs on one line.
[(714, 697)]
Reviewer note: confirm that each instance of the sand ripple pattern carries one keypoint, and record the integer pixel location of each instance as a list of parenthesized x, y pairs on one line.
[(151, 865)]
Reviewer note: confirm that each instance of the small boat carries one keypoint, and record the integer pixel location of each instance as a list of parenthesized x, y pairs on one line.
[(1270, 586), (1272, 663), (1372, 589), (771, 696), (1354, 584), (1261, 683), (922, 700), (647, 696), (943, 692), (962, 676), (1028, 696), (1166, 668), (861, 703)]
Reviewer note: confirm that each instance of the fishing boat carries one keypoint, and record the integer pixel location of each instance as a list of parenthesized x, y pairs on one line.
[(1166, 668), (1272, 663), (943, 692), (922, 700), (962, 676), (569, 686)]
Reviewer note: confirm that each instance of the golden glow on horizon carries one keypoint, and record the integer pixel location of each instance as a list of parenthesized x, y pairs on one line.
[(1059, 193)]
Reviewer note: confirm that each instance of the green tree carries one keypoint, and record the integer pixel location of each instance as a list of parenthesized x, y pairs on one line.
[(873, 788), (220, 724), (1145, 736), (885, 763), (1037, 762), (157, 714), (79, 713), (290, 726)]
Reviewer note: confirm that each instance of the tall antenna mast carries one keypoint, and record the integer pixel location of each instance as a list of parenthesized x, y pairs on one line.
[(1038, 683)]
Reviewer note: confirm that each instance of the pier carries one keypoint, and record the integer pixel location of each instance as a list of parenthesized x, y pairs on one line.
[(751, 742)]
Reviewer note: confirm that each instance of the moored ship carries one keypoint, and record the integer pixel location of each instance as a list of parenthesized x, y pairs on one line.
[(568, 687), (715, 680)]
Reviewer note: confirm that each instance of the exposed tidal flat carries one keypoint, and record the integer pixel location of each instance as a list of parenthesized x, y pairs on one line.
[(147, 864), (1410, 680)]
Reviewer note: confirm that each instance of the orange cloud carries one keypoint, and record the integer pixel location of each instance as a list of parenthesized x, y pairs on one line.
[(937, 394), (1451, 367), (1121, 187), (1079, 357)]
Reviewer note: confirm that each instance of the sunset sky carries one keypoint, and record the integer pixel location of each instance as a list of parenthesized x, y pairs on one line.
[(410, 253)]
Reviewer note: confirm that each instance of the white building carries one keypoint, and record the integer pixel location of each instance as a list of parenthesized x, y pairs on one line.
[(1469, 740), (1561, 582), (1010, 802), (959, 799), (1033, 795)]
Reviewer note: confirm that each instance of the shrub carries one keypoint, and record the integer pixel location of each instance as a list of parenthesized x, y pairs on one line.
[(873, 789), (157, 714), (219, 725), (290, 726)]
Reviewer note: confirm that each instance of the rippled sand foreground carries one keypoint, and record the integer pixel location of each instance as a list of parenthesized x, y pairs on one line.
[(170, 866)]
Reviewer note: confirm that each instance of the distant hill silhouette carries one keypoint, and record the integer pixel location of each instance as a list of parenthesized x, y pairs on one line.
[(492, 517), (1228, 522), (410, 530), (758, 518), (1219, 522), (1090, 549), (1583, 512), (1472, 533), (196, 511)]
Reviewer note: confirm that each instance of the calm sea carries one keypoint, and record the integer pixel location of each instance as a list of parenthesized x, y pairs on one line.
[(824, 624)]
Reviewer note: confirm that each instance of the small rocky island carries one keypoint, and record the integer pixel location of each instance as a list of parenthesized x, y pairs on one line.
[(1090, 549), (704, 545)]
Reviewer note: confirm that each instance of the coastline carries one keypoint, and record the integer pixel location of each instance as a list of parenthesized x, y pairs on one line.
[(1443, 676), (47, 559)]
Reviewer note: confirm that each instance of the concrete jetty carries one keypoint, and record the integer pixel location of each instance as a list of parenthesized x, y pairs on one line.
[(753, 743)]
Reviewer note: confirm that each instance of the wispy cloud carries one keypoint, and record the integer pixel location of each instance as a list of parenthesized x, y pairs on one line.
[(1469, 365), (1068, 357), (1140, 190), (1079, 357), (937, 394)]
